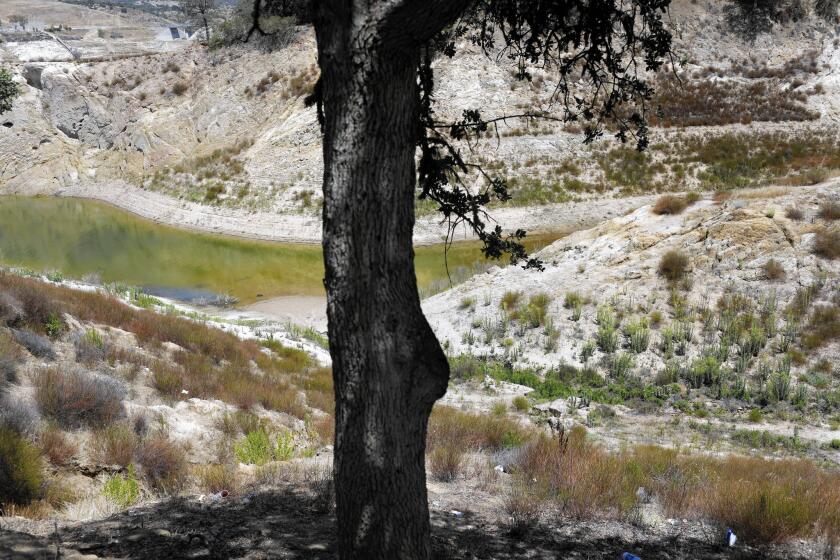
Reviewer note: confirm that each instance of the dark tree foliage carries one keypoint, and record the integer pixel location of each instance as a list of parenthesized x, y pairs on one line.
[(606, 43), (8, 91), (826, 9), (299, 9), (750, 17), (609, 44)]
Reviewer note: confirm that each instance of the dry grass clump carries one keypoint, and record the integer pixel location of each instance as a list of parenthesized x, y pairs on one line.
[(163, 462), (324, 428), (707, 102), (760, 499), (215, 478), (763, 193), (89, 346), (56, 446), (829, 210), (523, 506), (75, 398), (586, 480), (670, 204), (673, 265), (794, 213), (232, 382), (9, 356), (827, 244), (446, 462), (41, 301), (18, 415), (318, 386), (114, 445), (773, 501), (533, 313), (773, 270), (823, 327), (180, 88), (448, 426), (213, 363), (37, 345)]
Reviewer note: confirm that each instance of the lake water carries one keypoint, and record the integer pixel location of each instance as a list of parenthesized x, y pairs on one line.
[(79, 237)]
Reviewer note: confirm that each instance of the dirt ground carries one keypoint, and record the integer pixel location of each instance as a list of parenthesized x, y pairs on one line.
[(293, 523)]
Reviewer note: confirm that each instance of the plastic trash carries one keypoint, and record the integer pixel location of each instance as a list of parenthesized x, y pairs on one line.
[(457, 513), (499, 469), (218, 496), (731, 538), (628, 556)]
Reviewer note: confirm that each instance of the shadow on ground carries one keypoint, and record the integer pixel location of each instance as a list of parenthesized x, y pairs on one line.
[(289, 523)]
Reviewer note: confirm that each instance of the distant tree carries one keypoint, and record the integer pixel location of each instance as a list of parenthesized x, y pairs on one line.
[(8, 91), (301, 10), (19, 20), (201, 11), (826, 9), (383, 144)]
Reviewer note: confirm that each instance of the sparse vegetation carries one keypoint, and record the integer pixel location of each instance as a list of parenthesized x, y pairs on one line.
[(670, 204), (123, 490), (673, 265), (446, 462), (56, 446), (74, 398), (827, 243), (773, 270), (20, 469), (794, 213), (829, 210), (114, 445), (163, 463), (765, 500)]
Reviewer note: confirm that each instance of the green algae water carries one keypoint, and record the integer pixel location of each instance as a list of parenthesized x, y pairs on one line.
[(79, 237)]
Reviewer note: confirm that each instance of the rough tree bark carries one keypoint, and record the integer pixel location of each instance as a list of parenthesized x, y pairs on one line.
[(388, 366)]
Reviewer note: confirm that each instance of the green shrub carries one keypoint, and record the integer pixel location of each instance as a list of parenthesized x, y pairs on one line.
[(510, 301), (285, 448), (638, 335), (619, 365), (572, 299), (779, 386), (123, 490), (521, 404), (20, 469), (587, 351), (606, 337), (53, 325), (254, 449), (755, 416), (8, 91)]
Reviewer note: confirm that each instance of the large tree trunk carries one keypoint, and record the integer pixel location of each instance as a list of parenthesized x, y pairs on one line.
[(388, 366)]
